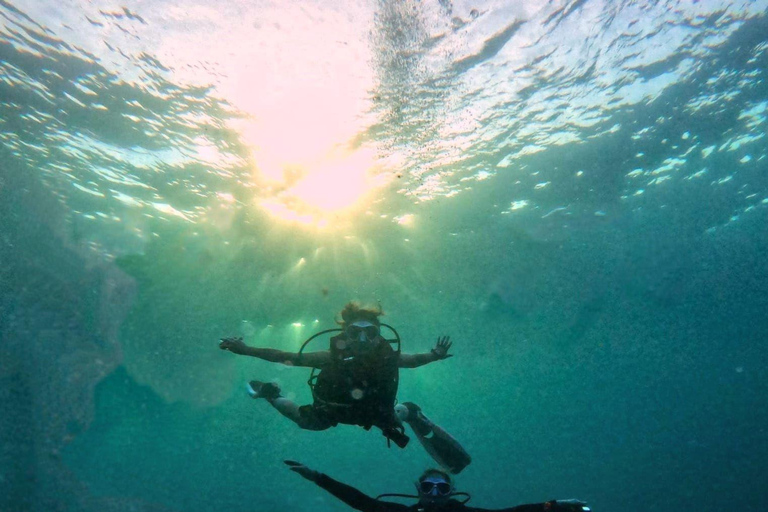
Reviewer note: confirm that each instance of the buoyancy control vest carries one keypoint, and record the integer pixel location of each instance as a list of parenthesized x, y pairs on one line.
[(359, 385)]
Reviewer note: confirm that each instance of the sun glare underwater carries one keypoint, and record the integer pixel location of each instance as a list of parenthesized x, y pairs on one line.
[(575, 191)]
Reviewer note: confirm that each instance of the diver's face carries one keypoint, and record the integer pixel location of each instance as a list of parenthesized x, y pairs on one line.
[(434, 490), (362, 332)]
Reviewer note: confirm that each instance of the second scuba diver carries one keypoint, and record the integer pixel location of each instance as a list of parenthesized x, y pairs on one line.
[(357, 385), (435, 493)]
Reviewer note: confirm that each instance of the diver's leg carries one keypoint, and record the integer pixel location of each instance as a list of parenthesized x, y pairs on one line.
[(439, 444), (305, 416), (271, 393), (287, 408)]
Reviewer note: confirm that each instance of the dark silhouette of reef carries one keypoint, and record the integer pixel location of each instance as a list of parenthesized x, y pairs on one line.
[(61, 306)]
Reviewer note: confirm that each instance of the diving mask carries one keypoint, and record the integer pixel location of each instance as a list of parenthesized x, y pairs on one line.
[(362, 330), (435, 487)]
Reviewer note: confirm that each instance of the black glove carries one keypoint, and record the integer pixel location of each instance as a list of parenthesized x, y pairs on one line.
[(298, 467)]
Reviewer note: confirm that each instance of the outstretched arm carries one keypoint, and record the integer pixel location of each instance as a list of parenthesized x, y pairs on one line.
[(310, 360), (549, 506), (344, 492), (436, 354)]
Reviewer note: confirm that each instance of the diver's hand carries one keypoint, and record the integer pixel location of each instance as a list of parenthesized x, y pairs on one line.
[(568, 505), (234, 345), (298, 467), (442, 346)]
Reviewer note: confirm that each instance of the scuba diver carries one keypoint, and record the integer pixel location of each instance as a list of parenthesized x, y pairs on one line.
[(356, 384), (435, 493)]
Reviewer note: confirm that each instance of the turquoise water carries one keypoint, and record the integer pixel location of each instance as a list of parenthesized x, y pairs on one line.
[(576, 192)]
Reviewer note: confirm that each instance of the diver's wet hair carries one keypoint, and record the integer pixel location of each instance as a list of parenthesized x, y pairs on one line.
[(353, 310), (437, 472)]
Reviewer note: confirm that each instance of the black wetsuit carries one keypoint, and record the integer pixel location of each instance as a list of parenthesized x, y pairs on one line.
[(365, 503), (355, 388)]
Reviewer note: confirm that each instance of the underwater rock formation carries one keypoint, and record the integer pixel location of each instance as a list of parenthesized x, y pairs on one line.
[(61, 306)]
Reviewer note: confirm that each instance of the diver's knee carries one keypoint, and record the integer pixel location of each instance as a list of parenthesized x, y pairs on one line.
[(408, 412), (306, 420), (401, 413)]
